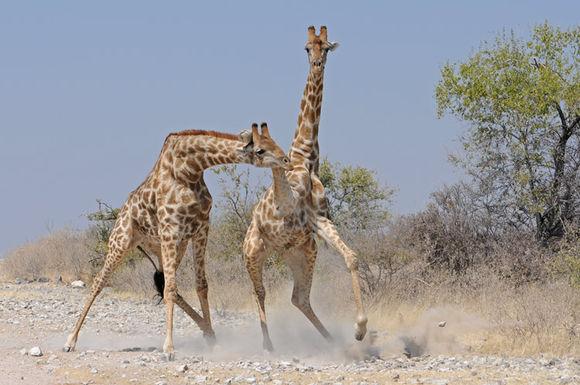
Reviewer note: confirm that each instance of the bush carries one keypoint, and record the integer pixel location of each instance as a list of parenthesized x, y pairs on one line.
[(67, 254)]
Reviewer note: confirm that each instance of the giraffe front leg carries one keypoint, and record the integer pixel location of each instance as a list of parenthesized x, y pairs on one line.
[(119, 244), (254, 256), (326, 230), (199, 243), (169, 256)]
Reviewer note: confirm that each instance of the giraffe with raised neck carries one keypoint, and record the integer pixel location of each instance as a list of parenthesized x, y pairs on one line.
[(293, 209), (171, 208)]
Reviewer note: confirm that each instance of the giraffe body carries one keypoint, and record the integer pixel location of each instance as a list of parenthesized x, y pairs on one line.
[(171, 208), (294, 209)]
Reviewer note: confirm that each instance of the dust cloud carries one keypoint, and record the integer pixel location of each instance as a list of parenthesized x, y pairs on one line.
[(295, 338)]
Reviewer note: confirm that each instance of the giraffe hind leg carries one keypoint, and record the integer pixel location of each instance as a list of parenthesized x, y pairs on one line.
[(198, 244), (254, 256), (159, 281), (301, 261)]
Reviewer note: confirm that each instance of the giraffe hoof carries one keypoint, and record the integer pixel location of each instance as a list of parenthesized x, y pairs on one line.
[(70, 344), (360, 328), (209, 338), (360, 332), (268, 347), (169, 356)]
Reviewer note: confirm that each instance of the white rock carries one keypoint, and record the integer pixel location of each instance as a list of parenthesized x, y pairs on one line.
[(442, 324), (77, 284), (94, 371), (35, 352), (182, 368), (200, 379)]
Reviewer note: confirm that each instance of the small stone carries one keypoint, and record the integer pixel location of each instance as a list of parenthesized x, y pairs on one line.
[(251, 380), (23, 351), (161, 383), (437, 381), (77, 284), (35, 352), (94, 371), (182, 368), (199, 379), (396, 377), (442, 324)]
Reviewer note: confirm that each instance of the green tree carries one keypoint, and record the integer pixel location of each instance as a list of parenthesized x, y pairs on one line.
[(102, 221), (522, 102), (357, 200)]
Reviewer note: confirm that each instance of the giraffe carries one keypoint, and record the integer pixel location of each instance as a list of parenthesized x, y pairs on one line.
[(171, 207), (293, 209), (306, 137)]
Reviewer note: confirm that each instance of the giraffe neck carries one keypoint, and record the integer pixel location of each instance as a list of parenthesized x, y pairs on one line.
[(186, 157), (304, 150), (282, 191)]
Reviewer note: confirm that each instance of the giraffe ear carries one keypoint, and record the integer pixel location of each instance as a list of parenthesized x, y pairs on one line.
[(246, 137), (332, 45)]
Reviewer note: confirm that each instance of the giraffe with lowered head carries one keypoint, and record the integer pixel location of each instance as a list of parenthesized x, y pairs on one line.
[(171, 207), (293, 209)]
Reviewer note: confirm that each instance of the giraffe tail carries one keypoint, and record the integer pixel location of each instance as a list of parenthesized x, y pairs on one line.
[(158, 277), (159, 280)]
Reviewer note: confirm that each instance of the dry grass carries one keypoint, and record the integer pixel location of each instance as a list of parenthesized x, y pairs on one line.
[(63, 253), (485, 311)]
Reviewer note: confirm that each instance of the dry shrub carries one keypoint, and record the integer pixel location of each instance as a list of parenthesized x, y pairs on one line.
[(506, 297), (65, 253), (484, 312)]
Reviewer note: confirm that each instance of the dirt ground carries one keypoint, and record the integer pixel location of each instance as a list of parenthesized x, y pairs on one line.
[(121, 340)]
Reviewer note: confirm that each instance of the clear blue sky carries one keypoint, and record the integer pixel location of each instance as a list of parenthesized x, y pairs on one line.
[(88, 91)]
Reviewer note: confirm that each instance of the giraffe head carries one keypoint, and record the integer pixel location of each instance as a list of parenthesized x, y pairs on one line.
[(262, 150), (318, 47)]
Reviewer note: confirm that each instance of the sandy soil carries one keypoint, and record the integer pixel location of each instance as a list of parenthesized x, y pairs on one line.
[(121, 339)]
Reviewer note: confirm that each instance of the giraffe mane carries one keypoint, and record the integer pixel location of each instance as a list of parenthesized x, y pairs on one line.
[(214, 134)]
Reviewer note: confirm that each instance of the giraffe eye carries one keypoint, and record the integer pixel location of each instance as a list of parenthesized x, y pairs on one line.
[(260, 151), (307, 49)]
